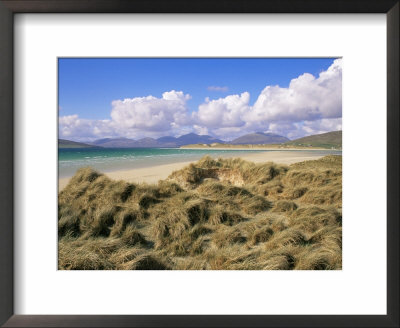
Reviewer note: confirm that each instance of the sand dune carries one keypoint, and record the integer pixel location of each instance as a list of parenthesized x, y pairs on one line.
[(158, 172), (224, 214)]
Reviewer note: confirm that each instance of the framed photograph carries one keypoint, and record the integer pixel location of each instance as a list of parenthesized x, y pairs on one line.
[(185, 182), (203, 164)]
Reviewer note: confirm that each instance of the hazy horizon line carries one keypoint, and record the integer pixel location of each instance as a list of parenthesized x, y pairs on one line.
[(222, 139)]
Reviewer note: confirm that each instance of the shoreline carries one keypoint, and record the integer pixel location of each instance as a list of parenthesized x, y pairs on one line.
[(155, 173), (259, 148)]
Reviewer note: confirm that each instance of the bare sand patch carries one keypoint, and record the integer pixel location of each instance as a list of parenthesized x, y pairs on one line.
[(160, 172)]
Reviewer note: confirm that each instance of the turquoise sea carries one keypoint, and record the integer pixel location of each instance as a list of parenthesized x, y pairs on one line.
[(114, 159)]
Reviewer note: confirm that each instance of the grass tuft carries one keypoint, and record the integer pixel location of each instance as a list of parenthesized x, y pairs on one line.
[(224, 214)]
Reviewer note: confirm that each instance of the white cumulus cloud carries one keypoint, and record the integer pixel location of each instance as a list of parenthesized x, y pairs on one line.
[(151, 113), (309, 105), (315, 102), (223, 112), (133, 118), (83, 129), (306, 98)]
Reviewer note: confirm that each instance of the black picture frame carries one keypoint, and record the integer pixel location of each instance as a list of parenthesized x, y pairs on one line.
[(10, 7)]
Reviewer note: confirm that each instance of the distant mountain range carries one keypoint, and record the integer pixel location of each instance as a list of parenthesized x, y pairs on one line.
[(330, 139), (163, 142), (324, 140), (115, 143), (259, 138), (62, 143)]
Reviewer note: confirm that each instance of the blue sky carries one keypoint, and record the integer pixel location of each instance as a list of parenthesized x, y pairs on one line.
[(92, 91)]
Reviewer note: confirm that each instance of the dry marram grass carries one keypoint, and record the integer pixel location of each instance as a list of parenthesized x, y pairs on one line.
[(225, 214)]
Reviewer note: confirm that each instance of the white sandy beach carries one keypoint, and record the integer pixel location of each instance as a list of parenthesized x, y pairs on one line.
[(159, 172), (256, 147)]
